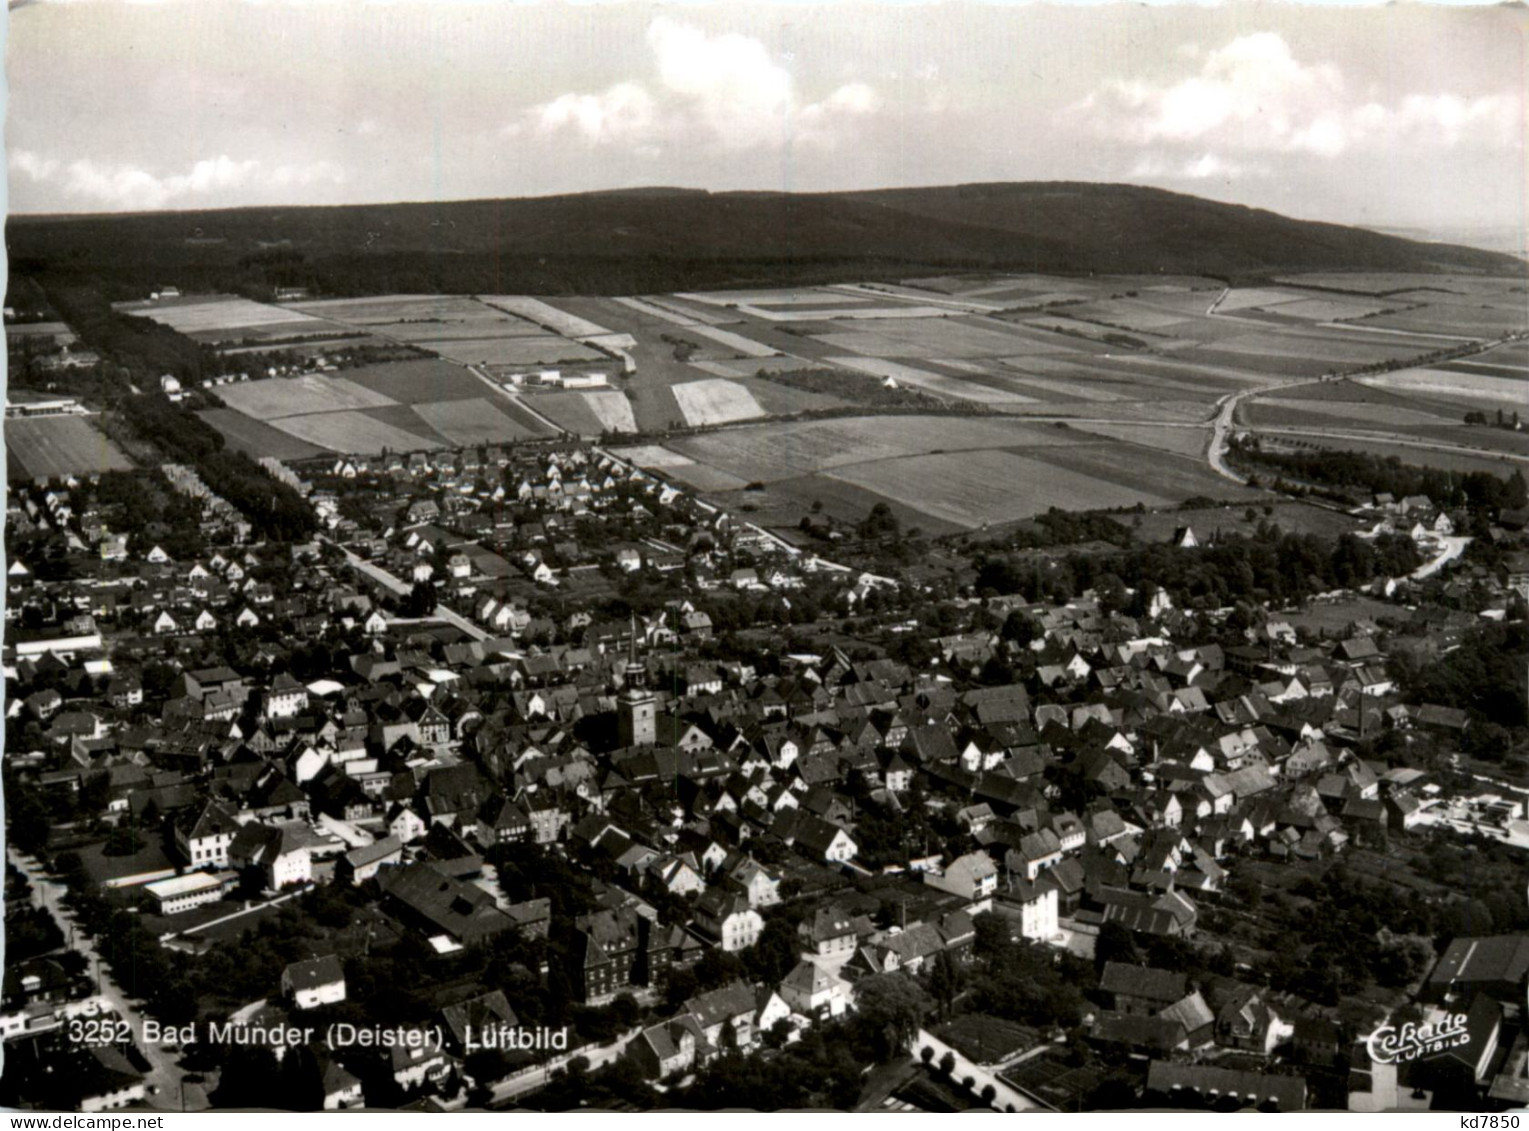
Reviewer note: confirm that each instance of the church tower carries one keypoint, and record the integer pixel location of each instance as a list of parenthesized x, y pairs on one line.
[(637, 710)]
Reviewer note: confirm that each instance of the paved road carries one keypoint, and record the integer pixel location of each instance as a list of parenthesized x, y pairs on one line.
[(1452, 548), (399, 587), (523, 402), (508, 1090), (164, 1074)]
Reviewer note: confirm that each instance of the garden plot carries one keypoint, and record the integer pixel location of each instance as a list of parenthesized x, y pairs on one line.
[(353, 432), (613, 410), (298, 396), (471, 422), (715, 402)]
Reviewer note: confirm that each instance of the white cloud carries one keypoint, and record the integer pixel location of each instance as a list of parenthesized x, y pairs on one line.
[(33, 165), (1253, 94), (725, 91), (1206, 166), (126, 186), (624, 113)]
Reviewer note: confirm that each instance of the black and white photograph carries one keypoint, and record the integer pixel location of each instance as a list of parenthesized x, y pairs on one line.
[(839, 555)]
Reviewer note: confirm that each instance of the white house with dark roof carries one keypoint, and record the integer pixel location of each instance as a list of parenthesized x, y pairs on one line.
[(318, 981)]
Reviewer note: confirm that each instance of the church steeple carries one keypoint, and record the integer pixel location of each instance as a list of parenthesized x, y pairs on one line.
[(637, 710)]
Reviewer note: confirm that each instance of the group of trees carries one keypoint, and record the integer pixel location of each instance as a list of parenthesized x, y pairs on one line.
[(1368, 474), (275, 510), (1484, 676), (1272, 565)]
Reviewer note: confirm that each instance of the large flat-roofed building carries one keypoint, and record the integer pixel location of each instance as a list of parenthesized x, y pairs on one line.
[(1492, 964), (182, 893)]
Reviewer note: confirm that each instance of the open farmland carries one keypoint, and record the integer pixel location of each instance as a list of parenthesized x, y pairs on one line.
[(471, 422), (652, 456), (356, 432), (560, 322), (940, 384), (784, 451), (1511, 391), (513, 351), (715, 402), (255, 438), (296, 396), (60, 333), (227, 317), (941, 337), (1290, 411), (1190, 442), (415, 382), (1410, 451), (976, 488), (973, 489), (45, 447), (612, 409)]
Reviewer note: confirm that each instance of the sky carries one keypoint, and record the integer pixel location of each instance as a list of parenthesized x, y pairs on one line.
[(1401, 116)]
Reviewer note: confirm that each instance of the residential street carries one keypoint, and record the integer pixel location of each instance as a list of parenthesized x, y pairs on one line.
[(165, 1074)]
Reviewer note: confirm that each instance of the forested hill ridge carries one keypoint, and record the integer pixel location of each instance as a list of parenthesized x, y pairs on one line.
[(666, 239)]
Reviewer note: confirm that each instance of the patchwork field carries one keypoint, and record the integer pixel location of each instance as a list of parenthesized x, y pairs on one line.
[(958, 473), (414, 382), (353, 432), (471, 422), (652, 456), (45, 447), (255, 438), (226, 317), (296, 396), (613, 410), (1422, 455), (784, 451), (1453, 382), (402, 406), (1188, 442), (976, 488), (513, 351), (715, 402)]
